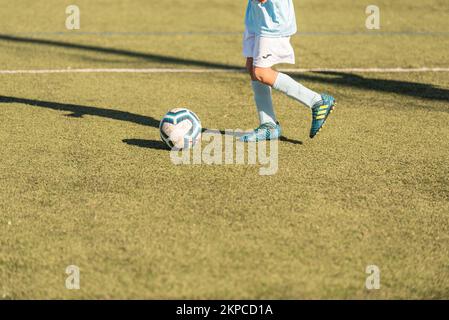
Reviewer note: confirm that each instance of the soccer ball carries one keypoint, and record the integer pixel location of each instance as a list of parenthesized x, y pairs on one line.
[(180, 128)]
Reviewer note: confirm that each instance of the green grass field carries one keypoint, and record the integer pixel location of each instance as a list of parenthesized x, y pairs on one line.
[(85, 180)]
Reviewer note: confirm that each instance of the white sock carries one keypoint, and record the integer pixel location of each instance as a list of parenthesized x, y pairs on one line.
[(264, 103), (295, 90)]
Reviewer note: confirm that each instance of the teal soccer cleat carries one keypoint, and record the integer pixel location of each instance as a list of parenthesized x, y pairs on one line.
[(266, 131), (320, 112)]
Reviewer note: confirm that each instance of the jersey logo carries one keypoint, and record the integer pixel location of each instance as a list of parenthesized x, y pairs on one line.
[(267, 56)]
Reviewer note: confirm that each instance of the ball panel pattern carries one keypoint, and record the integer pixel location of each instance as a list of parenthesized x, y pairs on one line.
[(180, 128)]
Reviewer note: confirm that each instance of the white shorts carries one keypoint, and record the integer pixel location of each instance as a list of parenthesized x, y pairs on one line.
[(267, 52)]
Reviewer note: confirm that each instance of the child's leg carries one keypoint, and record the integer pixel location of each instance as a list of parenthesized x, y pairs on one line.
[(262, 96), (321, 105), (287, 85)]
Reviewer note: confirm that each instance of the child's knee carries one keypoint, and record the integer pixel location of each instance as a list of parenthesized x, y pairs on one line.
[(265, 75)]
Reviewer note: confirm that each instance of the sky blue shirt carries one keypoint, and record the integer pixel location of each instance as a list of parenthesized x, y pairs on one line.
[(274, 18)]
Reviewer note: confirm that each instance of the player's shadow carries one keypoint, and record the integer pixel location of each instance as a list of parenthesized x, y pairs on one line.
[(78, 111), (118, 52), (293, 141), (411, 89)]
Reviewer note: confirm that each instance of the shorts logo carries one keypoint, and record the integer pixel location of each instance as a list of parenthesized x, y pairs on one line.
[(267, 56)]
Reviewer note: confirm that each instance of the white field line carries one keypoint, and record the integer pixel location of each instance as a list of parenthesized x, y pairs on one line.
[(179, 70)]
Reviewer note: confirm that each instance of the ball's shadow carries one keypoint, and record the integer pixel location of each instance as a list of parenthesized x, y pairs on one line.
[(151, 144)]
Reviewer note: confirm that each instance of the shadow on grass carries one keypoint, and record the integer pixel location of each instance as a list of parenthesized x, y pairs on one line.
[(119, 52), (285, 139), (159, 145), (239, 134), (411, 89), (78, 111), (405, 88), (150, 144)]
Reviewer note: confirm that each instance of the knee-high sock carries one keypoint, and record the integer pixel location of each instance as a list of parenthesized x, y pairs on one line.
[(264, 103), (295, 90)]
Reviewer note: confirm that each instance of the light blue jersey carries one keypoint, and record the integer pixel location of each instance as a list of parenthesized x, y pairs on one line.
[(274, 18)]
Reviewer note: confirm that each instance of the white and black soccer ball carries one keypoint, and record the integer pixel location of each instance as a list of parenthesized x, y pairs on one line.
[(180, 128)]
